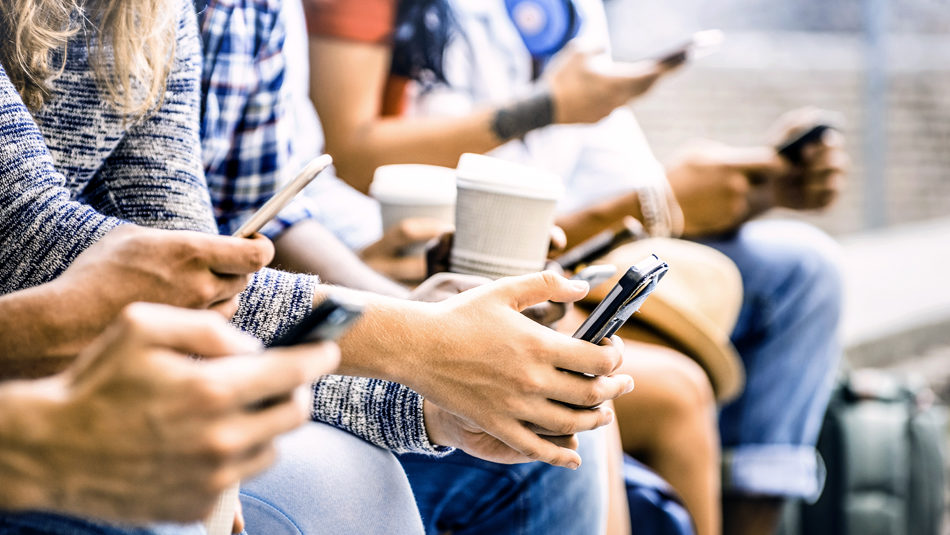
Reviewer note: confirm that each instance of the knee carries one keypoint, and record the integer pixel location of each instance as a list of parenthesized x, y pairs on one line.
[(685, 391), (809, 257)]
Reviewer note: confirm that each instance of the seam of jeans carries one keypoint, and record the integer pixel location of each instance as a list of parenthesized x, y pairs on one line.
[(274, 507)]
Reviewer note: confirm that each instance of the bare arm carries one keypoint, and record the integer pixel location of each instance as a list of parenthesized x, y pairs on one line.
[(347, 85), (307, 247)]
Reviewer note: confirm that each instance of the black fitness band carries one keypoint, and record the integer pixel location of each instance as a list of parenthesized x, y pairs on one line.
[(522, 117)]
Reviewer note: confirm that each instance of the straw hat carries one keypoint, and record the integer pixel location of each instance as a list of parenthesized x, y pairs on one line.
[(694, 307)]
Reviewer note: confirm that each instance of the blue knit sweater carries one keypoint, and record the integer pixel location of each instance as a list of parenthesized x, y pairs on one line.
[(76, 169)]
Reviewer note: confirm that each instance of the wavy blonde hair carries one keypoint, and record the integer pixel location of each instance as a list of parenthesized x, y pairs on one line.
[(132, 46)]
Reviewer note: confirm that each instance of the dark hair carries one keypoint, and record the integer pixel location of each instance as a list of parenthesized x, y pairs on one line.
[(421, 34)]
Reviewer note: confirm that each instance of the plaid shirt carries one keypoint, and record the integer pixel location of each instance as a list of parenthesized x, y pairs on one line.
[(246, 136)]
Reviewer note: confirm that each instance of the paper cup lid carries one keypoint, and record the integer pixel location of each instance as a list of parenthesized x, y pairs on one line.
[(485, 173), (413, 184)]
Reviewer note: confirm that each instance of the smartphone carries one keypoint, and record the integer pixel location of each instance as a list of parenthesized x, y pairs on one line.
[(791, 149), (623, 300), (600, 244), (596, 275), (328, 321), (275, 204), (696, 46)]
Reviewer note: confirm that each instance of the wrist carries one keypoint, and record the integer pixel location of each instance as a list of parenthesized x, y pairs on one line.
[(436, 430), (516, 120)]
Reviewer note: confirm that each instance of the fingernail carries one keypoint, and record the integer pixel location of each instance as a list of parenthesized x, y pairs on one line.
[(629, 387), (580, 286), (573, 465)]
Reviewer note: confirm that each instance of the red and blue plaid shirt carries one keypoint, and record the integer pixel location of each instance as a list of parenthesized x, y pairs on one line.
[(246, 136)]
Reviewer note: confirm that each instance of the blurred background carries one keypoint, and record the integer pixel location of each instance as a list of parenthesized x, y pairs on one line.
[(884, 65)]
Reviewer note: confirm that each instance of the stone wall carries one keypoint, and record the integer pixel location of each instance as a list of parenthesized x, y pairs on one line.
[(734, 95)]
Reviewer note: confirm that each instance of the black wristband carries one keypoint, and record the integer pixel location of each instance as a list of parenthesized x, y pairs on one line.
[(522, 117)]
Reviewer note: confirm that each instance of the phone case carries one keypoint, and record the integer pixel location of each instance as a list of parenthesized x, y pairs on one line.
[(623, 300)]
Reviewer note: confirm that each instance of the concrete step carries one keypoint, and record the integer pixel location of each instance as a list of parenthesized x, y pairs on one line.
[(897, 292)]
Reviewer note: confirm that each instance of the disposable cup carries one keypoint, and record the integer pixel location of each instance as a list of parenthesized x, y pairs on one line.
[(503, 217), (414, 190)]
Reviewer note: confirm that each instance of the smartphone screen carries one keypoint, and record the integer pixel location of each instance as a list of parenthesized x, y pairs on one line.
[(623, 300)]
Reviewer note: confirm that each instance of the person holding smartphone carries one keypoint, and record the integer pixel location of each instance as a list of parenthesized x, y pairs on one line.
[(62, 194), (710, 192), (115, 437)]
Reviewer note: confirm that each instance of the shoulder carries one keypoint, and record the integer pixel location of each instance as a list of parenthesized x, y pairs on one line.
[(368, 21)]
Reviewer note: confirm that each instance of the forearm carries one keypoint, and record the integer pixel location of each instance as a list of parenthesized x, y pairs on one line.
[(308, 247), (583, 224), (429, 140)]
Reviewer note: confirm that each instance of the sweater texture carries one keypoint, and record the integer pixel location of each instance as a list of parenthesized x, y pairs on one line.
[(77, 168)]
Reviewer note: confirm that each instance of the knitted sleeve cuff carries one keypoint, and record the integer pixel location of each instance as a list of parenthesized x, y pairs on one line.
[(386, 414), (273, 302)]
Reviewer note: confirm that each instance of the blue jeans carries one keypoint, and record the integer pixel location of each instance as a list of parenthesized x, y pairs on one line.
[(465, 495), (787, 337), (325, 481), (53, 524)]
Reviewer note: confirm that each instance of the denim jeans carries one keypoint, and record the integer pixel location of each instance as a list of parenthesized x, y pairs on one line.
[(787, 337), (325, 481), (465, 495), (53, 524)]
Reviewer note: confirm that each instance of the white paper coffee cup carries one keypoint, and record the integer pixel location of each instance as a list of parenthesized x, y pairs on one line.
[(503, 217), (221, 519), (414, 190)]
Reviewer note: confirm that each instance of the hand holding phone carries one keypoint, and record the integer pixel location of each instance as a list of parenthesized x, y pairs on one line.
[(280, 199), (623, 300)]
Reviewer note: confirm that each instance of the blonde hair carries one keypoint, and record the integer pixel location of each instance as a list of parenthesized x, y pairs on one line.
[(132, 47)]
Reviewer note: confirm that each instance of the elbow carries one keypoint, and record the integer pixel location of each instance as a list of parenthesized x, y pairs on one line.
[(352, 167)]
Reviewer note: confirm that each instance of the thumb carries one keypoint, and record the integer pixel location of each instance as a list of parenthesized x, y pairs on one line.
[(526, 290)]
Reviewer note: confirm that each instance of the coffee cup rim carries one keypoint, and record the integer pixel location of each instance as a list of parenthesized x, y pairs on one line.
[(420, 184), (486, 173)]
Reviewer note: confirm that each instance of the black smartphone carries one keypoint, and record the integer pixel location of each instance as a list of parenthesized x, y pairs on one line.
[(791, 149), (600, 244), (328, 321), (623, 300)]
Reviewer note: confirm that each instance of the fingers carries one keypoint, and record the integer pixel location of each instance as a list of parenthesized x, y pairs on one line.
[(556, 419), (545, 313), (278, 372), (253, 430), (408, 232), (228, 308), (583, 357), (444, 285), (526, 290), (582, 391), (192, 332), (237, 256), (521, 439)]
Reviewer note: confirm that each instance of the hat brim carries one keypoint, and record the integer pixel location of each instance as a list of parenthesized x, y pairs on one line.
[(695, 336)]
